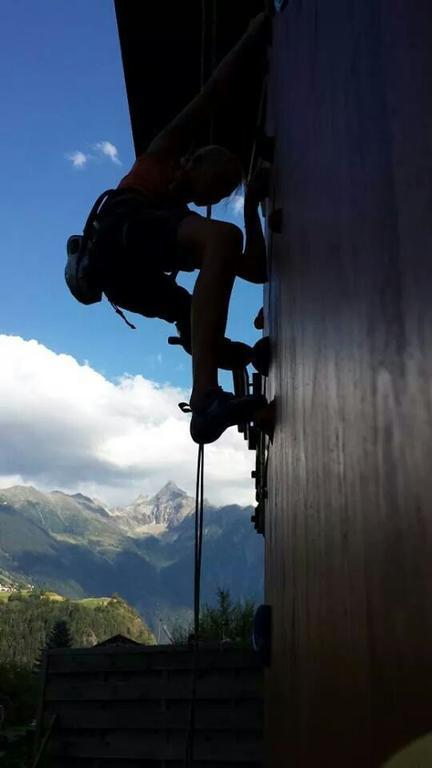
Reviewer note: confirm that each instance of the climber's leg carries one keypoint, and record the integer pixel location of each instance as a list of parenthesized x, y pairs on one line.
[(217, 248), (217, 258)]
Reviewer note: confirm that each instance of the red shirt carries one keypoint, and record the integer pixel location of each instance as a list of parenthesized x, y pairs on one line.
[(152, 174)]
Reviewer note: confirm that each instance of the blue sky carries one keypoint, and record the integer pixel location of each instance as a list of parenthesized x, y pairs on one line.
[(63, 92), (88, 405)]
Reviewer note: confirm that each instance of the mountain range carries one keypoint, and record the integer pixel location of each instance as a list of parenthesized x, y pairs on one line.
[(80, 547)]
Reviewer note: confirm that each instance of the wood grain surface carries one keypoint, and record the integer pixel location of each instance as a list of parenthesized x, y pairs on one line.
[(349, 519), (133, 704)]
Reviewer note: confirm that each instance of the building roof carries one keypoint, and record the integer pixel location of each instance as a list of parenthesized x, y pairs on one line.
[(161, 52), (117, 640)]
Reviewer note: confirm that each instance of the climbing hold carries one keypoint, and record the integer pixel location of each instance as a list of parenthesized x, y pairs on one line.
[(232, 354), (259, 320), (241, 389), (261, 492), (258, 518), (253, 437), (265, 419), (261, 633)]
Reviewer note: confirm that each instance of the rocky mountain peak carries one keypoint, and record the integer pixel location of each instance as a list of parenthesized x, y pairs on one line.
[(86, 503), (166, 509), (21, 493), (169, 492), (76, 513)]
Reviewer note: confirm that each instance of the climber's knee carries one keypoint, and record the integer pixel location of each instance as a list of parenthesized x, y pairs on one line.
[(212, 240)]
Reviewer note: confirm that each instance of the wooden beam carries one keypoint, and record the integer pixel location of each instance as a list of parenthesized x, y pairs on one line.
[(127, 744), (212, 687), (228, 716)]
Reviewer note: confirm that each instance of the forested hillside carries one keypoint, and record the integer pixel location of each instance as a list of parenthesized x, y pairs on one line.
[(27, 618)]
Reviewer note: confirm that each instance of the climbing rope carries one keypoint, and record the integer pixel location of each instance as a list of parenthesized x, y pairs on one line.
[(199, 529), (199, 486)]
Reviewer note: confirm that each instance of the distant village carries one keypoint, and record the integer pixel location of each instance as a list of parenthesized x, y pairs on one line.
[(16, 587)]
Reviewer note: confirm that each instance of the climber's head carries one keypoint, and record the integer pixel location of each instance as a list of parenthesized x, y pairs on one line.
[(211, 174)]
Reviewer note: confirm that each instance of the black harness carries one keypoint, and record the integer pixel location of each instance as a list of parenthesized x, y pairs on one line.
[(92, 228)]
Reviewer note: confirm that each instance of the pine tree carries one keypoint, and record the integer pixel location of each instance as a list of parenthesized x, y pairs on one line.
[(60, 636), (227, 621)]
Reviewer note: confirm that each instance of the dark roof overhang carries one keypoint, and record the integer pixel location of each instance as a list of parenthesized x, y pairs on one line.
[(161, 50)]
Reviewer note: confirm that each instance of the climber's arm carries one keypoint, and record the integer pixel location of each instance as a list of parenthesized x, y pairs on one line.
[(254, 260), (218, 93)]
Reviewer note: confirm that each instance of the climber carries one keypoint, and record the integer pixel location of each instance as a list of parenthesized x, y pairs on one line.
[(145, 230)]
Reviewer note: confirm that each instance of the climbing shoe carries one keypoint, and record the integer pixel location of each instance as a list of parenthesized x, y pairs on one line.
[(234, 354), (220, 411), (231, 354)]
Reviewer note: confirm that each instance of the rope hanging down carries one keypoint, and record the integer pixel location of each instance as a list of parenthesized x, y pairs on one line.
[(199, 488), (199, 528)]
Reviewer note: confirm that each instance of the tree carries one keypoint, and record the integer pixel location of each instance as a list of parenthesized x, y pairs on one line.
[(28, 625), (60, 636), (227, 621), (20, 686)]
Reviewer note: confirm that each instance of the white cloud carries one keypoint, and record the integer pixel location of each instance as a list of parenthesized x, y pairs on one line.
[(66, 426), (101, 150), (109, 150), (78, 158), (237, 204)]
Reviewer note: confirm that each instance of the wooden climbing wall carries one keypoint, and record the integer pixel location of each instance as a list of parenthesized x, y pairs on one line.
[(349, 518)]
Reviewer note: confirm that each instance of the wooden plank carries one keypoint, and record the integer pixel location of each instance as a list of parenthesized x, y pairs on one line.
[(127, 744), (205, 649), (128, 715), (76, 762), (182, 676), (44, 743), (77, 661), (43, 671), (138, 707), (213, 687)]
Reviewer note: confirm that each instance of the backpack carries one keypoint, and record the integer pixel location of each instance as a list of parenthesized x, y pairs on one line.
[(80, 265), (78, 272)]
